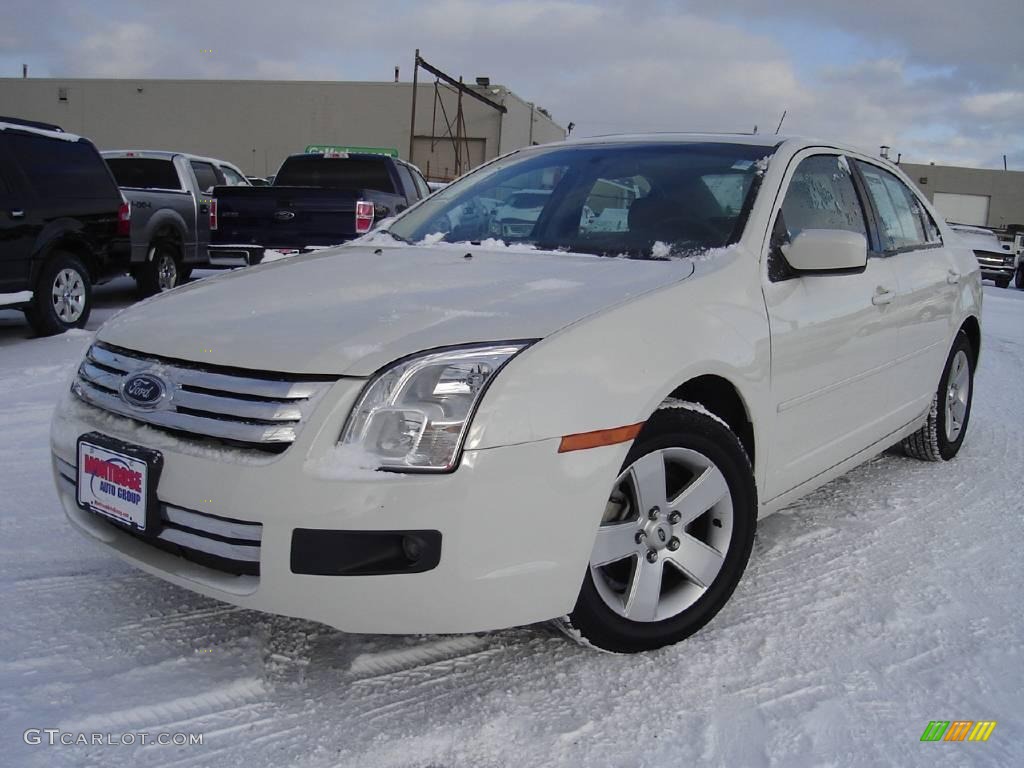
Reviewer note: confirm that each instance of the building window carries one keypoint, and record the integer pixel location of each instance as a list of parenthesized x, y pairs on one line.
[(923, 180)]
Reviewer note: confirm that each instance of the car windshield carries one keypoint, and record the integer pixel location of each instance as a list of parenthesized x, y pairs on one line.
[(651, 200)]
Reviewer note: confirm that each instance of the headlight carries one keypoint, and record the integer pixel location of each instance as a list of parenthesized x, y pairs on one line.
[(413, 416)]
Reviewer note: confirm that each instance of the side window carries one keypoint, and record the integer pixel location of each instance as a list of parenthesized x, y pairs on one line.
[(59, 168), (821, 195), (421, 185), (206, 177), (408, 188), (232, 178), (902, 217)]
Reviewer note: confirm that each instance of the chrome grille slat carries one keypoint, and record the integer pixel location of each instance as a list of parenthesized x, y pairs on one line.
[(243, 409), (181, 422), (214, 547), (260, 413), (196, 377), (248, 535), (232, 529)]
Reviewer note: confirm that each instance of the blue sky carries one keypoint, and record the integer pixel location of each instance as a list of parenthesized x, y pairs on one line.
[(938, 81)]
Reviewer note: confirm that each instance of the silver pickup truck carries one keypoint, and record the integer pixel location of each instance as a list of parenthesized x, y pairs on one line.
[(173, 211)]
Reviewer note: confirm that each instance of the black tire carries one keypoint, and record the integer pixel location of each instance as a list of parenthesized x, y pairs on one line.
[(931, 442), (162, 270), (184, 274), (48, 314), (594, 622), (1002, 282), (1018, 278)]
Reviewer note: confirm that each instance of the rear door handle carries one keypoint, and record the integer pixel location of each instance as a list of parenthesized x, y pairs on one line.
[(952, 277), (882, 296)]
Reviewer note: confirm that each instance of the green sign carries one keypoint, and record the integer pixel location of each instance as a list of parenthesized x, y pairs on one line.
[(332, 149)]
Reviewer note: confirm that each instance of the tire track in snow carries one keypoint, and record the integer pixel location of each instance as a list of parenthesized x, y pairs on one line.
[(154, 716)]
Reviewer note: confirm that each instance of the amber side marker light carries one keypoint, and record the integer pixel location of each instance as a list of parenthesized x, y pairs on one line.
[(584, 440)]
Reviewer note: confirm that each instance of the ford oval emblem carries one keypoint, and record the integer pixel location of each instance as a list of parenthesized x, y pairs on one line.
[(143, 390)]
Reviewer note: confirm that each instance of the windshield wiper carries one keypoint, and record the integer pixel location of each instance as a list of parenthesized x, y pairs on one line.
[(399, 238)]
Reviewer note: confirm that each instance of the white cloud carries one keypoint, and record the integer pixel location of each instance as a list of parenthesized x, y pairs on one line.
[(935, 81)]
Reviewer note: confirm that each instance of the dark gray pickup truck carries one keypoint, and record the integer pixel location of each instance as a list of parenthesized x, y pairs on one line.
[(316, 200), (173, 211)]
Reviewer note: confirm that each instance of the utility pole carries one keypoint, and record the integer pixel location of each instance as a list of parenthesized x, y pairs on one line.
[(412, 120)]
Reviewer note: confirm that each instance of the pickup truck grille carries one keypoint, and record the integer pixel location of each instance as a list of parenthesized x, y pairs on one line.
[(250, 410)]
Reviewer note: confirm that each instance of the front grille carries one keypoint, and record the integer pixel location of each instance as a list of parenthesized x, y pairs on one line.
[(986, 259), (232, 546), (246, 409)]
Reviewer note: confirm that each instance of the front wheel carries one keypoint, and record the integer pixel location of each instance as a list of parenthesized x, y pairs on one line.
[(942, 434), (1018, 278), (674, 539)]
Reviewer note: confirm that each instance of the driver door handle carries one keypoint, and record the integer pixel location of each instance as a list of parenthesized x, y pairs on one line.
[(883, 296), (952, 277)]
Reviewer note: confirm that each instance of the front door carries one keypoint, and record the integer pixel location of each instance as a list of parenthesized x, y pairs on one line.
[(17, 232), (833, 337)]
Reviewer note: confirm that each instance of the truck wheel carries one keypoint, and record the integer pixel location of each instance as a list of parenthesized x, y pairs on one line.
[(162, 270), (1002, 282), (1018, 279), (63, 296)]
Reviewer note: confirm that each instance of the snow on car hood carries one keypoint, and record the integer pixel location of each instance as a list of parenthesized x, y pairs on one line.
[(351, 310)]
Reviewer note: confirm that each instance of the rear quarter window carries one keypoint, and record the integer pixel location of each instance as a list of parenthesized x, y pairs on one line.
[(57, 168), (144, 172)]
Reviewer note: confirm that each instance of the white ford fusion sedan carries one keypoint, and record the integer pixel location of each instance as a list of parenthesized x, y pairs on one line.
[(432, 431)]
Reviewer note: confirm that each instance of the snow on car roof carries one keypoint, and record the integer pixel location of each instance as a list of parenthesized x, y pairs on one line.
[(62, 135)]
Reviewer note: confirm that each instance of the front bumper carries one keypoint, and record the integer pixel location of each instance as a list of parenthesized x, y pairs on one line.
[(516, 524)]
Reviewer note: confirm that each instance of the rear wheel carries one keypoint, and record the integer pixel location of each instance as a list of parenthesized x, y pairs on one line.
[(63, 296), (162, 270), (942, 434), (675, 537)]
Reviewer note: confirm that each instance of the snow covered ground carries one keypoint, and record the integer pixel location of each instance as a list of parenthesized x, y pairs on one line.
[(889, 598)]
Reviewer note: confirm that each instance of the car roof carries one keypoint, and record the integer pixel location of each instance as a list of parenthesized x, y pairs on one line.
[(161, 154), (680, 137), (24, 127)]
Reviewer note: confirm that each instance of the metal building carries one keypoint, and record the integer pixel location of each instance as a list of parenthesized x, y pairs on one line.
[(979, 196), (257, 123)]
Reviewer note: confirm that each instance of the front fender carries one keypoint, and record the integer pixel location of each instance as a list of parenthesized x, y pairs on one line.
[(614, 369)]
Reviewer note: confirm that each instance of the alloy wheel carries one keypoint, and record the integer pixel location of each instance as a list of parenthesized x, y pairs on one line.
[(68, 294), (167, 271), (664, 535), (958, 391)]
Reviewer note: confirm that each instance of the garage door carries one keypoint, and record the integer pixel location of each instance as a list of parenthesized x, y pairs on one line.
[(962, 209)]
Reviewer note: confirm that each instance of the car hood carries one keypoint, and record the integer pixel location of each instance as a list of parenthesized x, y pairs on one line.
[(351, 310)]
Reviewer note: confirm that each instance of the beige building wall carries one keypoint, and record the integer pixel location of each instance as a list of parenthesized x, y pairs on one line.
[(1005, 189), (256, 123)]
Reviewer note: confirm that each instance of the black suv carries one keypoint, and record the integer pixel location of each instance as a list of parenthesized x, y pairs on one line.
[(63, 224)]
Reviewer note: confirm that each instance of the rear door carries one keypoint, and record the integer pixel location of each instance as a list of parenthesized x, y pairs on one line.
[(16, 232), (833, 337), (927, 279)]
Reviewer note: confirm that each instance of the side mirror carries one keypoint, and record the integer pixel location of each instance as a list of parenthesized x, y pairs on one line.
[(827, 251)]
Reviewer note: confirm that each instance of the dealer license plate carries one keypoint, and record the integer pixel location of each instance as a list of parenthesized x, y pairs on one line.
[(117, 480)]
